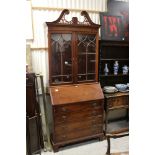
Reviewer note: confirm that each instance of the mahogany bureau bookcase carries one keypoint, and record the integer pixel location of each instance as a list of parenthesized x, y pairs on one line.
[(76, 96)]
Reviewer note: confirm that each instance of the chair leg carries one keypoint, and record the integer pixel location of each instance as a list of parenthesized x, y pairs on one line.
[(108, 147)]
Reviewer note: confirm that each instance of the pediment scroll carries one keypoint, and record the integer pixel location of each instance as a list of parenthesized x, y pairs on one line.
[(86, 21)]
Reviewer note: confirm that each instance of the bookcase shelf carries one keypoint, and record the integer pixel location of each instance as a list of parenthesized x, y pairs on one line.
[(111, 51)]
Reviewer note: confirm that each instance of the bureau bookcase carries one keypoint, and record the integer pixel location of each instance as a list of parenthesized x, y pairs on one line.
[(76, 96)]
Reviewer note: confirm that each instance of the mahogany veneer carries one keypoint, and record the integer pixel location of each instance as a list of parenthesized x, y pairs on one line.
[(77, 113)]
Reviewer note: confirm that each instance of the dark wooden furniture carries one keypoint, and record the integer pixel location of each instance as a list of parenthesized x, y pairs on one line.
[(111, 51), (119, 128), (31, 103), (72, 50), (116, 101), (77, 113), (33, 121), (76, 95)]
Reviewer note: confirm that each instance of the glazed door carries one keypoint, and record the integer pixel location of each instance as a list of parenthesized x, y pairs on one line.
[(61, 58), (86, 57)]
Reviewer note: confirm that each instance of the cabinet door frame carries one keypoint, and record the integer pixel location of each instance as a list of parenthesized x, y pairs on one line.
[(50, 53), (96, 57), (74, 53)]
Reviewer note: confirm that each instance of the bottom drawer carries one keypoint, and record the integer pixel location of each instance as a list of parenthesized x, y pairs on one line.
[(96, 129)]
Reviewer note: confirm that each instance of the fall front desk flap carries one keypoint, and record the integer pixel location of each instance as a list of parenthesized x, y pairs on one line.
[(75, 93)]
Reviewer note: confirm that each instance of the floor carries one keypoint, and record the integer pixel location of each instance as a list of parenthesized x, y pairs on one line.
[(119, 146)]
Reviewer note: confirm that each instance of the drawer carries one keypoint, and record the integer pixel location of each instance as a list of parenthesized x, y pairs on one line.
[(118, 101), (78, 116), (79, 133), (70, 108), (74, 126)]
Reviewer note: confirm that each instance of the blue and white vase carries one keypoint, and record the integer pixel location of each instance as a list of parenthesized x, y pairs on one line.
[(116, 67), (125, 69), (106, 70)]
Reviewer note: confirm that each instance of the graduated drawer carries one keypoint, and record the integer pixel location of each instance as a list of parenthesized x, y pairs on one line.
[(81, 133), (70, 108), (79, 125), (78, 116), (118, 101)]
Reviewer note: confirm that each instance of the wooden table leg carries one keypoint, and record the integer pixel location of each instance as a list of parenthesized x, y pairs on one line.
[(109, 145)]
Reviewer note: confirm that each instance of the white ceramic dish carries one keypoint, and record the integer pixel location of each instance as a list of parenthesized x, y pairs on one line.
[(105, 91), (109, 89)]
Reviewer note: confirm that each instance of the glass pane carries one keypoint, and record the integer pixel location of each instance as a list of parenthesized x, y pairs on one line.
[(61, 58), (86, 52), (81, 77), (91, 63), (91, 77)]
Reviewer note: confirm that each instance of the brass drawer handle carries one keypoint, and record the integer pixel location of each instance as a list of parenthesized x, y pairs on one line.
[(94, 112), (64, 117), (63, 127), (94, 104), (99, 116), (64, 136)]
